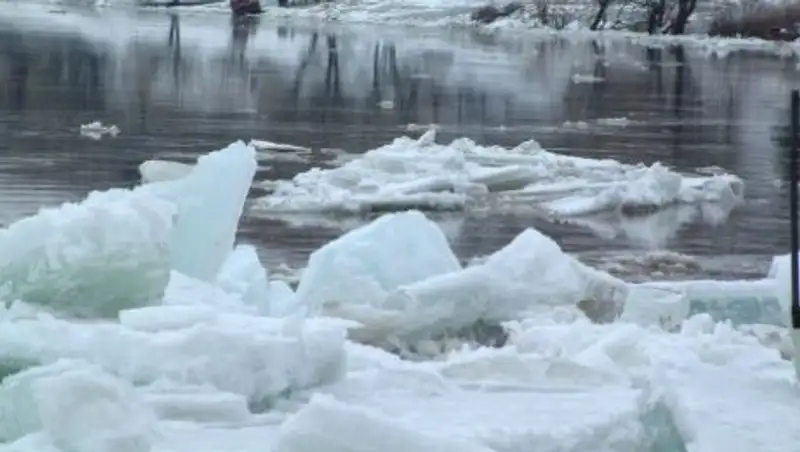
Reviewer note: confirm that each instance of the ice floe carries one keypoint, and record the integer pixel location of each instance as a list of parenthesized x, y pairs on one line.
[(188, 343), (420, 173)]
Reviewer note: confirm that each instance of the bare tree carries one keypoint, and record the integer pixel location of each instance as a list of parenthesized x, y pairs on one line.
[(601, 15)]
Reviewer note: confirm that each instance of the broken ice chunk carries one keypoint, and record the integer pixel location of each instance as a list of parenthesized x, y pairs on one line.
[(243, 275), (185, 291), (96, 130), (87, 410), (241, 354), (531, 270), (363, 265), (282, 299), (80, 407), (647, 305), (91, 259), (163, 170), (196, 404), (325, 424), (210, 201)]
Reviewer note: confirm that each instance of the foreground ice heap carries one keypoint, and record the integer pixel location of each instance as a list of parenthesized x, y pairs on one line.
[(133, 322)]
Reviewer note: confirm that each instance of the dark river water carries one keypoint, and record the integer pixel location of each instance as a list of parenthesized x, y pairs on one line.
[(178, 86)]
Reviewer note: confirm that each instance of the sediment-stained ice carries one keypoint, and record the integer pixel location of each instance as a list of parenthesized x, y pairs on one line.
[(363, 266), (93, 258)]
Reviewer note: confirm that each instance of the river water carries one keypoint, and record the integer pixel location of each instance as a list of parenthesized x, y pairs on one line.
[(178, 86)]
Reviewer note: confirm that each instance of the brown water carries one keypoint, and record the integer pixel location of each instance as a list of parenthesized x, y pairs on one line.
[(213, 83)]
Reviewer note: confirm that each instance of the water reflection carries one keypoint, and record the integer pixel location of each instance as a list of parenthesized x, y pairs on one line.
[(183, 84)]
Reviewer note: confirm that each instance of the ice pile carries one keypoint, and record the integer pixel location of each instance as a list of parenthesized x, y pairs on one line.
[(188, 344), (185, 341), (421, 174)]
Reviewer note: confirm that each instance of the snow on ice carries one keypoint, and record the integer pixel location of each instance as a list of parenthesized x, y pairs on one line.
[(410, 173), (188, 342)]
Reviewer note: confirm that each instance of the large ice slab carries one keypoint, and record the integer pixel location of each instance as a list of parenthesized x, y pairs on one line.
[(717, 409), (210, 200), (741, 302), (78, 406), (529, 272), (421, 174), (325, 424), (109, 252), (545, 413), (364, 265), (719, 384), (241, 354)]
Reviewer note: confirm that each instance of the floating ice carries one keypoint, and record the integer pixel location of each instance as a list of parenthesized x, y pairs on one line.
[(96, 130), (193, 359), (269, 145), (364, 265), (163, 170), (210, 201), (422, 174), (108, 252)]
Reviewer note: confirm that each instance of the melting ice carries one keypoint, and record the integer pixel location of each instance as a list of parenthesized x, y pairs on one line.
[(133, 322)]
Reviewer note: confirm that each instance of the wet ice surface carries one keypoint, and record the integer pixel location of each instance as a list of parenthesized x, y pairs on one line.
[(616, 100), (182, 344)]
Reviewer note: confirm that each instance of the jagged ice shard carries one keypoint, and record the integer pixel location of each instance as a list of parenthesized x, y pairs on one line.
[(91, 259), (210, 201), (115, 249)]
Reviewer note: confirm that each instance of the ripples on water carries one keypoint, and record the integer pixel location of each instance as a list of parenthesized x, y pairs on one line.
[(180, 86)]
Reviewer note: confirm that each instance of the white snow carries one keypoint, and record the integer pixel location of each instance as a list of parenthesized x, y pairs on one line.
[(419, 173), (225, 358)]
